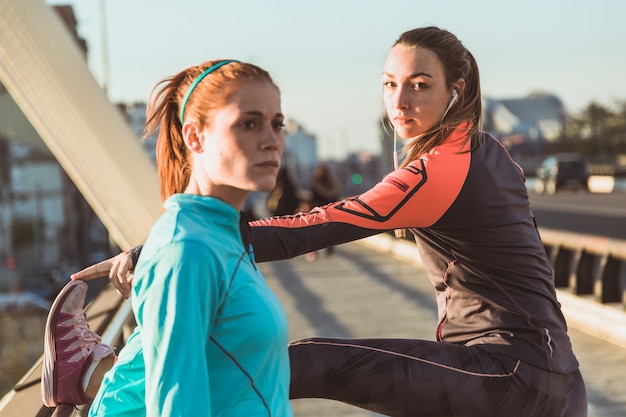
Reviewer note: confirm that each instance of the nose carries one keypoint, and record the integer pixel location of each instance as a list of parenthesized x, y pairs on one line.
[(400, 98), (272, 139)]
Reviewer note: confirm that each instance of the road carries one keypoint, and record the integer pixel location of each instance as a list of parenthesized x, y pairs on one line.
[(588, 213)]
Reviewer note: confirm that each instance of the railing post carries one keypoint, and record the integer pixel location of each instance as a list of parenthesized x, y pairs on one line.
[(612, 281), (563, 267), (586, 273), (550, 249)]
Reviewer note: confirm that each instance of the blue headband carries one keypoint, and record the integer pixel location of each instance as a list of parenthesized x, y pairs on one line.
[(197, 81)]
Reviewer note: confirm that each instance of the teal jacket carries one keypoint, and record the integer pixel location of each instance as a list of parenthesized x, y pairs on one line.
[(211, 337)]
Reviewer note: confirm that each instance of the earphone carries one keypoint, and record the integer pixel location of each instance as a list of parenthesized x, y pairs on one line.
[(454, 97)]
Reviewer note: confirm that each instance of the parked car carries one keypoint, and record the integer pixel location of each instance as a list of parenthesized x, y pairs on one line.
[(561, 171), (22, 302)]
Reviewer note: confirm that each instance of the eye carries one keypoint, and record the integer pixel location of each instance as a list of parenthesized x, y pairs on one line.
[(278, 126), (249, 124), (418, 85), (389, 84)]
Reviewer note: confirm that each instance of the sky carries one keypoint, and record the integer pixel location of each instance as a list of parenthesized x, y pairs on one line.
[(327, 55)]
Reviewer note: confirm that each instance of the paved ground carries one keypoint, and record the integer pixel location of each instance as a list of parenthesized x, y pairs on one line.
[(360, 292)]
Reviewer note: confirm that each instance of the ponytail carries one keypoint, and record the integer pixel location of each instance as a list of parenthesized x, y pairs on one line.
[(174, 167)]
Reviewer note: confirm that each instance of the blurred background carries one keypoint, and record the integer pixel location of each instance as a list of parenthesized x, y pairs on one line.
[(552, 85)]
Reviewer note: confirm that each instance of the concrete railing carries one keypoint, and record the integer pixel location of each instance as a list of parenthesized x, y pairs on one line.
[(590, 277), (587, 265), (584, 265)]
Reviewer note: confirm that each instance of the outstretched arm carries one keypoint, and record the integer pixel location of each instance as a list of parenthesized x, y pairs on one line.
[(414, 196)]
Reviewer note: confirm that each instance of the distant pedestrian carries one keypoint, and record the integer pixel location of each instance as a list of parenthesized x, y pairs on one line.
[(325, 189), (284, 198)]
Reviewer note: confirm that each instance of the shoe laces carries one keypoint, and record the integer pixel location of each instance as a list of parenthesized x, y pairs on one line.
[(84, 339)]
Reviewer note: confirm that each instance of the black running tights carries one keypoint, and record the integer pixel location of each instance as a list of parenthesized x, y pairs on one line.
[(402, 377)]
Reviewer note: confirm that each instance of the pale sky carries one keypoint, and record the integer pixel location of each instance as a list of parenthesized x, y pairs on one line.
[(327, 55)]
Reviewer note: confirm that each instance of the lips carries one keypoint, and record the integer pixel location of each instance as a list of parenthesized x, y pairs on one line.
[(269, 164), (402, 120)]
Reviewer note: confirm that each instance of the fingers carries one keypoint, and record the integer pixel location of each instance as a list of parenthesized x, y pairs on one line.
[(98, 270), (120, 274), (118, 269)]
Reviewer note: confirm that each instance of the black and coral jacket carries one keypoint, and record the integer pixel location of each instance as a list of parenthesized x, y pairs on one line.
[(477, 239)]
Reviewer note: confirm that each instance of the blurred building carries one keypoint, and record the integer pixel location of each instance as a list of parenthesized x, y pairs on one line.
[(66, 14), (300, 152), (47, 229), (538, 117), (387, 145), (523, 125), (136, 116)]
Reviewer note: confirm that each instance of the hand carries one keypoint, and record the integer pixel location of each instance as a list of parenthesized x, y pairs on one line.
[(118, 268)]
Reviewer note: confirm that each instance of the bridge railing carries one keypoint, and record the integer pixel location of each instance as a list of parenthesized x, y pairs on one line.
[(589, 275), (587, 265)]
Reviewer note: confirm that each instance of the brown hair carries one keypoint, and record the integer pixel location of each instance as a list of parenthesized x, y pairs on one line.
[(173, 163), (457, 63)]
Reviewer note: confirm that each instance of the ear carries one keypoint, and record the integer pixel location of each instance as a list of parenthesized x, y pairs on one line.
[(459, 86), (193, 136)]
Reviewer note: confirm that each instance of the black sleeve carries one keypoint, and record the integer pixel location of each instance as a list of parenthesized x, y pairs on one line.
[(134, 255), (273, 243)]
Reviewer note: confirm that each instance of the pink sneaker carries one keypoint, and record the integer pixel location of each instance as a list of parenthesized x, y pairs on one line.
[(70, 347)]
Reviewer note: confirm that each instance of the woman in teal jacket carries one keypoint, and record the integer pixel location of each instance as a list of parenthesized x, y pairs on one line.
[(211, 337)]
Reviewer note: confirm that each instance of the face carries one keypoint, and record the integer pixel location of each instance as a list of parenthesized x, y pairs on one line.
[(415, 93), (240, 148)]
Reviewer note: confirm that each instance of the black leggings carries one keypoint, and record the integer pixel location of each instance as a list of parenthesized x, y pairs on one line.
[(401, 377)]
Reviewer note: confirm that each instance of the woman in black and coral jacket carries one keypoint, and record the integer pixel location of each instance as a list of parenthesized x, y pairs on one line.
[(502, 347)]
